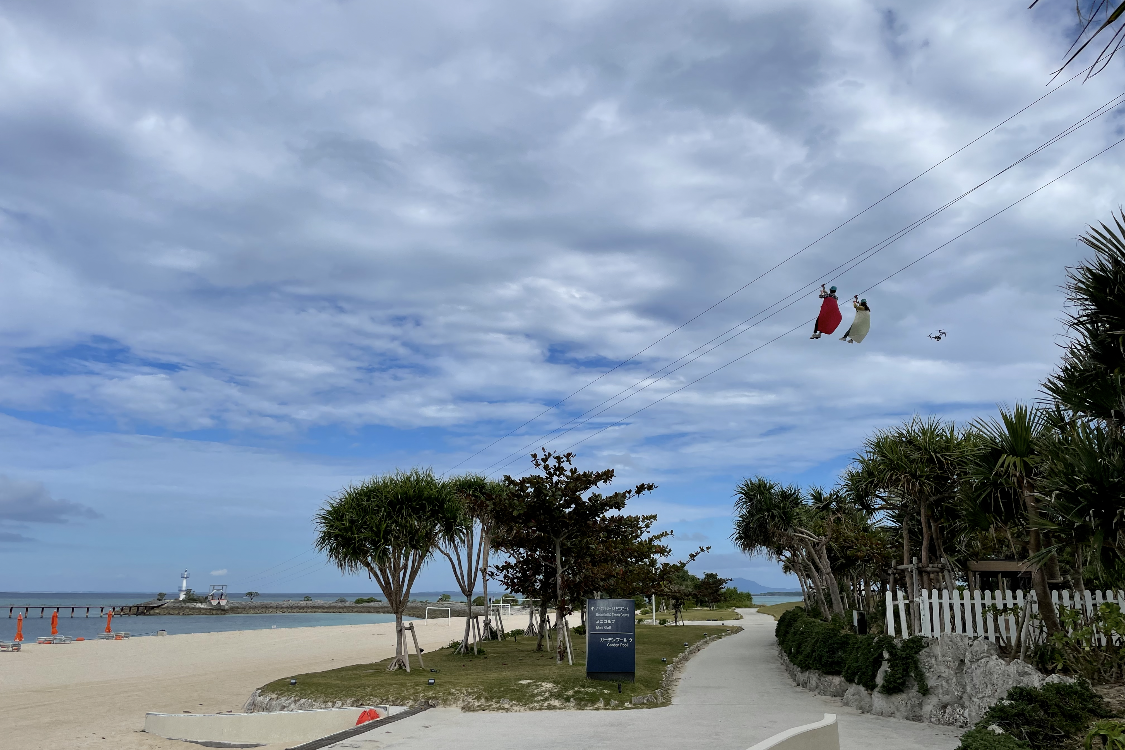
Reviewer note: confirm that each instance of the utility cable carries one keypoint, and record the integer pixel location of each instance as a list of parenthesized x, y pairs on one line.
[(876, 284), (733, 332), (768, 271)]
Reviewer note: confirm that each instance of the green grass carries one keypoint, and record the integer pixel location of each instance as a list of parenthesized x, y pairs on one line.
[(777, 610), (509, 671)]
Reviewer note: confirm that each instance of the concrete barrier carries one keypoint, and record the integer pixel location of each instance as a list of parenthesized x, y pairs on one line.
[(823, 735), (261, 728)]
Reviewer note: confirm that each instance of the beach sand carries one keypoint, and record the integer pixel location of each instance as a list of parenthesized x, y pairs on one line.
[(95, 694)]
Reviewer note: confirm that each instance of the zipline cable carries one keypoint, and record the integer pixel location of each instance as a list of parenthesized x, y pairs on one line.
[(881, 281), (746, 325), (691, 320)]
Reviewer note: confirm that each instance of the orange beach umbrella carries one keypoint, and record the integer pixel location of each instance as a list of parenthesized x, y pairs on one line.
[(19, 627), (108, 620), (55, 622)]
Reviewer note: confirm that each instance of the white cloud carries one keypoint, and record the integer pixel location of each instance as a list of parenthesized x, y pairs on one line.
[(219, 572), (427, 226)]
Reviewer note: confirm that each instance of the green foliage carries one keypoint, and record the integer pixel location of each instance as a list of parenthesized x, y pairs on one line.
[(579, 630), (251, 594), (830, 648), (1078, 649), (160, 596), (190, 596), (478, 601), (663, 621), (514, 633), (367, 600), (445, 598), (307, 598), (732, 598), (1053, 716), (709, 589), (983, 738), (1111, 733)]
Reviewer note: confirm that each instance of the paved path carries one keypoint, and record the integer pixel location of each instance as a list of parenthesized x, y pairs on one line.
[(732, 695)]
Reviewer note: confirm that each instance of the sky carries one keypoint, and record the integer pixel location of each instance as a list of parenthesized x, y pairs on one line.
[(254, 252)]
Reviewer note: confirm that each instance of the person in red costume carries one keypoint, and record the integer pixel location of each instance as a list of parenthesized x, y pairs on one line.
[(830, 316)]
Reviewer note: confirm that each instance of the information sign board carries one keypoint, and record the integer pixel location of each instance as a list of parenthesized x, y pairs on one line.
[(611, 643)]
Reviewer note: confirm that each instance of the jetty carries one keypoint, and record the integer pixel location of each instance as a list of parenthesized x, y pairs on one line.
[(117, 609)]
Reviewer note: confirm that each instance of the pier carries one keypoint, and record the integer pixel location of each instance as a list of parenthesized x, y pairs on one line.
[(117, 610)]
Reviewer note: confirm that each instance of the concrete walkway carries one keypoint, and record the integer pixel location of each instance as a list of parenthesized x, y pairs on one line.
[(732, 695)]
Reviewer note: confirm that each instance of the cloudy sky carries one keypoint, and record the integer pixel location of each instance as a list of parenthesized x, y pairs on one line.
[(253, 251)]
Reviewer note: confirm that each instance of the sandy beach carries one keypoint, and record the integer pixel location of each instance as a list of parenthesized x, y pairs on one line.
[(95, 694)]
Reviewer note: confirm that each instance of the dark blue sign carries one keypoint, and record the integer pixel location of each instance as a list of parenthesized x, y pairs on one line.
[(611, 643)]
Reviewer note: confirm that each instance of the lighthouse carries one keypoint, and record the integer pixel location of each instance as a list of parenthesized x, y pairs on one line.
[(183, 585)]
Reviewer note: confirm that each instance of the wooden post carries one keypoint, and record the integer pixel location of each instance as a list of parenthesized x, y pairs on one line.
[(405, 648), (417, 648), (566, 634)]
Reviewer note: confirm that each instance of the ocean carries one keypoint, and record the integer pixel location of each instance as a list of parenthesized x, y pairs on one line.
[(81, 626)]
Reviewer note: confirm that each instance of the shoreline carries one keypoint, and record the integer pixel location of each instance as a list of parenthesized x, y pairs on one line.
[(107, 687), (194, 609)]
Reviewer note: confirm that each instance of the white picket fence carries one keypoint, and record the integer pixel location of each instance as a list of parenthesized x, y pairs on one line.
[(995, 615)]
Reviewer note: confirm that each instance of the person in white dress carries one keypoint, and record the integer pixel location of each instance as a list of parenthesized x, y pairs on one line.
[(857, 331)]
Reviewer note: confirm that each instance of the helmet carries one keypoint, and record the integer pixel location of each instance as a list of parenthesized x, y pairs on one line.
[(831, 288), (863, 302)]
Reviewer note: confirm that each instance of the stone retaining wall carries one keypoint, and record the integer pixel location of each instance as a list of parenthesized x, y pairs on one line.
[(965, 678)]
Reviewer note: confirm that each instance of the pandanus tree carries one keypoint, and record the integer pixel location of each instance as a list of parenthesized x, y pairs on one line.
[(913, 473), (1085, 471), (1004, 467), (389, 526), (775, 520), (478, 501)]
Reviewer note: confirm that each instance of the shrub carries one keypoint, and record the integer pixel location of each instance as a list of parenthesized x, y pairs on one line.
[(307, 598), (341, 600), (478, 601), (160, 596), (1052, 716), (1111, 733), (367, 600), (663, 620), (1078, 649), (445, 598), (830, 648), (983, 738), (579, 630)]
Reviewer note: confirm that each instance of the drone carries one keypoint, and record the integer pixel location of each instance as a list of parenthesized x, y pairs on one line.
[(937, 336)]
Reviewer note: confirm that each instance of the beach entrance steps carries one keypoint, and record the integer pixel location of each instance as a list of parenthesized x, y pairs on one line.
[(823, 735)]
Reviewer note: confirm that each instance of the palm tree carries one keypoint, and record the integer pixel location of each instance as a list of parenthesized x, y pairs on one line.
[(1094, 17), (1007, 458), (389, 526)]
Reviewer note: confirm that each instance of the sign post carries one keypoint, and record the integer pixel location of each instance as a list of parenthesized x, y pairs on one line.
[(611, 640)]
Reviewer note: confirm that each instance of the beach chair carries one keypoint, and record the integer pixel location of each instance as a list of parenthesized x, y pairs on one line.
[(45, 640), (10, 645), (105, 636)]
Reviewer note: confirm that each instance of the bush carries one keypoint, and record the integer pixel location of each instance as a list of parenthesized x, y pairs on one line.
[(307, 598), (732, 597), (342, 600), (478, 601), (983, 738), (515, 633), (1053, 716), (579, 630), (663, 620), (445, 598), (367, 600), (831, 648), (160, 596)]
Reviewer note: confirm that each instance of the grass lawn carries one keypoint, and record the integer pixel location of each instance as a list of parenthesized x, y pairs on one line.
[(778, 609), (510, 671), (694, 615)]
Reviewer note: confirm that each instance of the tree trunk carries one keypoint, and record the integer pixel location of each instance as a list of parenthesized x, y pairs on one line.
[(560, 625), (400, 643), (1038, 574), (925, 545)]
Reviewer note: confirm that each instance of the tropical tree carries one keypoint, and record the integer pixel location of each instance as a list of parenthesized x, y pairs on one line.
[(555, 508), (1084, 476), (776, 521), (1004, 466), (1096, 17), (388, 526), (251, 594), (710, 589), (468, 550)]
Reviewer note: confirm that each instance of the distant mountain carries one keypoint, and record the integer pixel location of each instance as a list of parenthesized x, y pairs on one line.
[(745, 584)]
